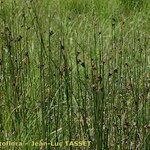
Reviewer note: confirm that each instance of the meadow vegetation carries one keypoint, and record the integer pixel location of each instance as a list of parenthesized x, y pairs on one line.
[(75, 70)]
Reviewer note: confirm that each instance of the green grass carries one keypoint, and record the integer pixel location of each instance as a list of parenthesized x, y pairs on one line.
[(75, 70)]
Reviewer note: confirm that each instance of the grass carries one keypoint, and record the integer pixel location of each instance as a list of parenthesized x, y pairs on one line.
[(75, 70)]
